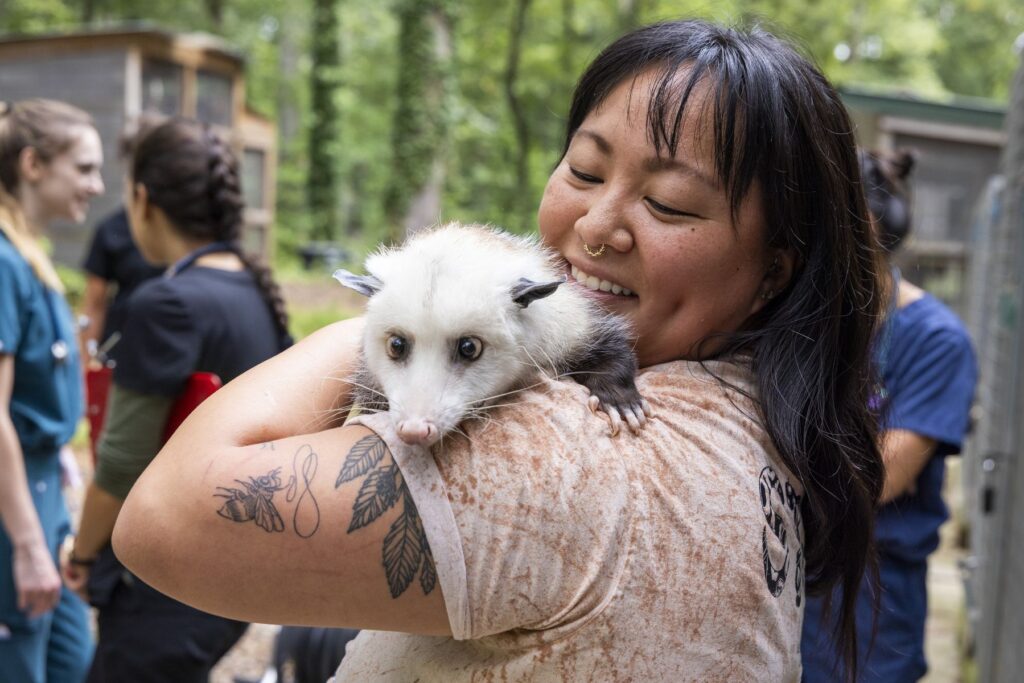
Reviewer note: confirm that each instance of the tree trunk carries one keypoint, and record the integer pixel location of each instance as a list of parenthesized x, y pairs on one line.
[(420, 137), (523, 197), (322, 182), (215, 10)]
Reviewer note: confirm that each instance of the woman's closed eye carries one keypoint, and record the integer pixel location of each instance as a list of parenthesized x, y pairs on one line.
[(584, 177), (668, 210)]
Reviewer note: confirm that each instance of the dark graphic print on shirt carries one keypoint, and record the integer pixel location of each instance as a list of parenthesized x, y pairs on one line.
[(781, 545)]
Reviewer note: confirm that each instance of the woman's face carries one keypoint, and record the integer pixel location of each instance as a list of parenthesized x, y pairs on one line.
[(64, 186), (687, 269)]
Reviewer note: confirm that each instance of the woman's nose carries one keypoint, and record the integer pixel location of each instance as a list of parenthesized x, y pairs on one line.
[(97, 187), (606, 222)]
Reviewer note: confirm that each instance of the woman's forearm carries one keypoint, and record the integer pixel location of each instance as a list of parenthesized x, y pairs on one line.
[(17, 512), (99, 512), (300, 391), (94, 308)]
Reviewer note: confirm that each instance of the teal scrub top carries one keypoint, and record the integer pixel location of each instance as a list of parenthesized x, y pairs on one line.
[(36, 328)]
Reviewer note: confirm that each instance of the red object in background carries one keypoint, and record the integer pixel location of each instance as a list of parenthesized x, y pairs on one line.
[(199, 387), (97, 388)]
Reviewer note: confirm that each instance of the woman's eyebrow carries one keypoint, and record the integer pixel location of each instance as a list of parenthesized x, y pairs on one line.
[(660, 163), (602, 144)]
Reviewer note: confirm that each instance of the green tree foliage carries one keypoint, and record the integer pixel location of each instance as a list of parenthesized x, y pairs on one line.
[(498, 130)]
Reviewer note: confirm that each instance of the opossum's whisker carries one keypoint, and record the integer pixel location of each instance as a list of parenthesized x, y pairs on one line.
[(533, 360), (582, 372), (360, 385), (483, 402)]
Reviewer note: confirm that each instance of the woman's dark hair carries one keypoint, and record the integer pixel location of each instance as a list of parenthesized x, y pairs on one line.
[(779, 124), (885, 186), (190, 173)]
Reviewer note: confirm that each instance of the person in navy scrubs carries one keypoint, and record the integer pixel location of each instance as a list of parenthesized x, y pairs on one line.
[(50, 158), (928, 375)]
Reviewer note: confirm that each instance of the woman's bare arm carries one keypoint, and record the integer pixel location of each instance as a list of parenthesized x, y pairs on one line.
[(94, 308), (905, 454), (35, 575), (254, 510)]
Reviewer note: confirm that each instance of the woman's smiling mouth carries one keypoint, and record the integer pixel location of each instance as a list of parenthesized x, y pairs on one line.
[(595, 283)]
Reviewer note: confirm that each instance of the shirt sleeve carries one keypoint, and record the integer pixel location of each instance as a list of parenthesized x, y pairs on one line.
[(131, 438), (11, 306), (527, 522), (161, 346), (933, 396), (98, 260)]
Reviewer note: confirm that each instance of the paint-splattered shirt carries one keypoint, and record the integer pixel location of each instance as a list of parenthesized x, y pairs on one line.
[(565, 554)]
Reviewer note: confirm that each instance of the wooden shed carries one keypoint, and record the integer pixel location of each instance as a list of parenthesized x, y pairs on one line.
[(958, 144), (116, 75)]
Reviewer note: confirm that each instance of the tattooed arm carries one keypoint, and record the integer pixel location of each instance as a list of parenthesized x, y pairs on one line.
[(252, 513)]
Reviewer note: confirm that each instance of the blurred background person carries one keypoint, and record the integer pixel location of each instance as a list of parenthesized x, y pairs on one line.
[(113, 266), (928, 374), (215, 310), (50, 159)]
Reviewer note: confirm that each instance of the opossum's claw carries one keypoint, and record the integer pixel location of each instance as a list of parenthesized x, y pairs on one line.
[(635, 418), (594, 403), (616, 420), (648, 411)]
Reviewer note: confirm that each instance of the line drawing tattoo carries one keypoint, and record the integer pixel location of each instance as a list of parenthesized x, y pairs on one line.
[(267, 446), (306, 517), (406, 550), (253, 502)]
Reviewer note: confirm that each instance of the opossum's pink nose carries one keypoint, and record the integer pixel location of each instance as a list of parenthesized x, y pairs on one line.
[(418, 432)]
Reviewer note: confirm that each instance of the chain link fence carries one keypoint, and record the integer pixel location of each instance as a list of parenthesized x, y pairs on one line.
[(993, 470)]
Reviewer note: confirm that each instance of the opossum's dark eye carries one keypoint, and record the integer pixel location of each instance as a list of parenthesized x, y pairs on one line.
[(397, 347), (469, 348)]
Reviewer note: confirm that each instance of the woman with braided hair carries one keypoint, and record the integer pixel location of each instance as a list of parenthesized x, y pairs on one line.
[(214, 310)]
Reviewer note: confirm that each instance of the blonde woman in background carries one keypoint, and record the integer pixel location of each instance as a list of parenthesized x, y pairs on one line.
[(50, 158)]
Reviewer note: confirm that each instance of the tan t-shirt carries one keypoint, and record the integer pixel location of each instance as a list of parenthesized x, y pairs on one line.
[(565, 554)]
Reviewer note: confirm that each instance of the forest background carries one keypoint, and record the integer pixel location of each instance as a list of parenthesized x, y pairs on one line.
[(393, 114)]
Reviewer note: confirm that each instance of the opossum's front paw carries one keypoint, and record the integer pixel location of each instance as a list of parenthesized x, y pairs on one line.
[(635, 412)]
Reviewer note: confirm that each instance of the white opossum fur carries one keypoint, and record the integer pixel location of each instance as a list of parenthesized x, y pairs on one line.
[(461, 315)]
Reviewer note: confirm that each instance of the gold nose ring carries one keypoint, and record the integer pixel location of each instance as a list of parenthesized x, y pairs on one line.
[(591, 253)]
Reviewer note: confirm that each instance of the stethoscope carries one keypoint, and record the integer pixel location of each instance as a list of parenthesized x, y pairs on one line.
[(60, 350)]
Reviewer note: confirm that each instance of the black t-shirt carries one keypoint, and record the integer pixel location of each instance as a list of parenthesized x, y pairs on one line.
[(114, 257), (200, 320)]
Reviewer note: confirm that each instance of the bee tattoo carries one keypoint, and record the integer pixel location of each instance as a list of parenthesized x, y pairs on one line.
[(253, 502)]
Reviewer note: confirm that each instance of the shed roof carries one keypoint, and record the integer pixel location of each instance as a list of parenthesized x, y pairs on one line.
[(966, 111), (123, 36)]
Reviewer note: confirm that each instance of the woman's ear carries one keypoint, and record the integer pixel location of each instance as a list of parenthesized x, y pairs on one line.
[(777, 274), (30, 166)]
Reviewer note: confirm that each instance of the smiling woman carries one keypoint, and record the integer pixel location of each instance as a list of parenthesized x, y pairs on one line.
[(691, 264), (50, 158), (708, 192)]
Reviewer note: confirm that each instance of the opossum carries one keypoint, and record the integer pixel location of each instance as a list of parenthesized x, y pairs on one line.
[(461, 316)]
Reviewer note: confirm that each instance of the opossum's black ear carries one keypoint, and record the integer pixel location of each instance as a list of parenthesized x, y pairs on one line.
[(526, 291), (367, 285)]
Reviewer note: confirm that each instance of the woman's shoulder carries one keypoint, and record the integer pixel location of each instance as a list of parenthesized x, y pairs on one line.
[(11, 259), (15, 272)]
